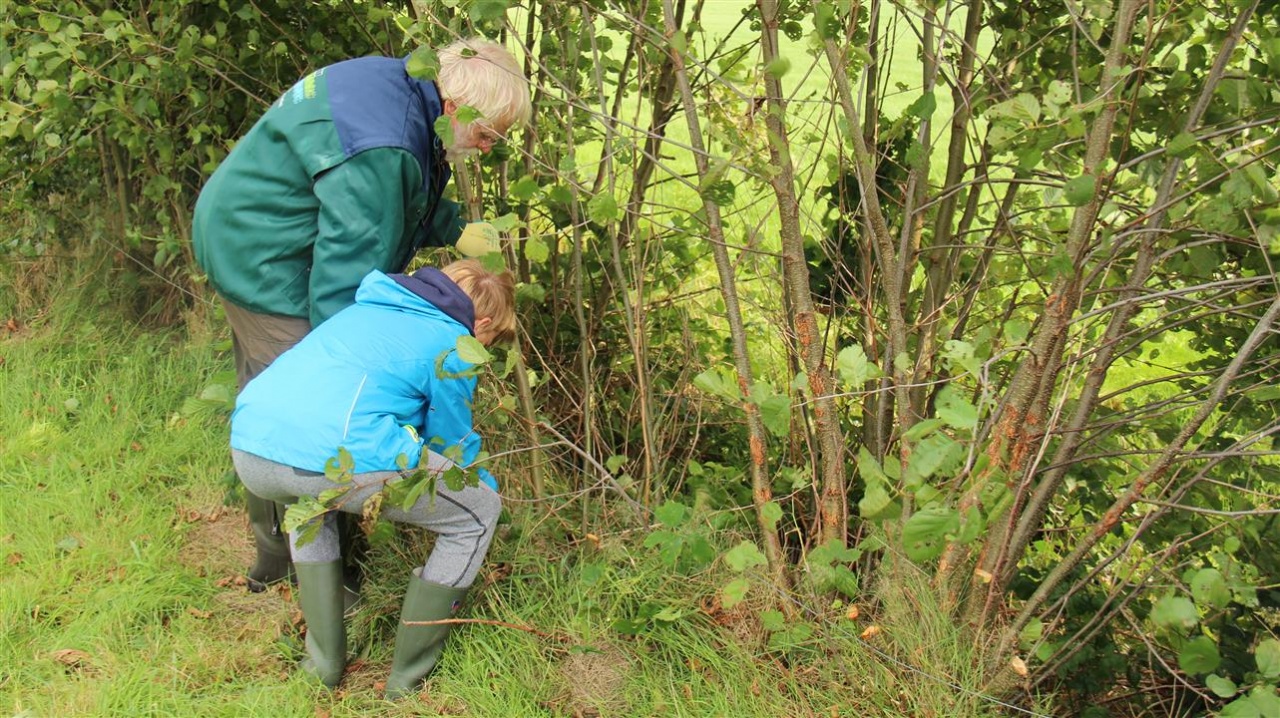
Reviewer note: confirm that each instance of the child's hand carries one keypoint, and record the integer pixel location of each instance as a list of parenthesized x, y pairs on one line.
[(478, 239)]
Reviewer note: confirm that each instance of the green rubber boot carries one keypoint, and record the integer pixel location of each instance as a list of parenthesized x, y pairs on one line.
[(273, 562), (418, 648), (320, 594)]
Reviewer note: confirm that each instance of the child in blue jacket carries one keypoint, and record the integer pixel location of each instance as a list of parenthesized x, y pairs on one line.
[(383, 380)]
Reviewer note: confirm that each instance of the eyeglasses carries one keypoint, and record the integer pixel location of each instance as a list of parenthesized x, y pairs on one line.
[(487, 134)]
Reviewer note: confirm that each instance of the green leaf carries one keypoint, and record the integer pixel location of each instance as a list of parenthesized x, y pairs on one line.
[(523, 189), (921, 429), (507, 222), (869, 469), (668, 615), (924, 106), (929, 456), (1222, 687), (111, 17), (771, 512), (602, 209), (773, 620), (925, 534), (660, 538), (713, 381), (444, 129), (337, 468), (775, 412), (1265, 700), (743, 556), (793, 636), (1175, 612), (50, 22), (1209, 588), (902, 362), (456, 478), (466, 114), (720, 192), (956, 410), (973, 525), (302, 516), (1268, 657), (1016, 331), (615, 462), (700, 553), (1182, 145), (671, 514), (423, 64), (832, 552), (487, 10), (827, 23), (1024, 108), (1199, 655), (1241, 707), (471, 351), (679, 42), (1059, 93), (1031, 633), (854, 368), (962, 354), (1079, 191), (589, 574), (733, 592), (777, 67), (874, 501), (219, 394), (536, 250), (382, 533), (419, 484)]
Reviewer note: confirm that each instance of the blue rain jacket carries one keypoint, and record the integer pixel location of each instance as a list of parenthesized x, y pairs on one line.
[(379, 378)]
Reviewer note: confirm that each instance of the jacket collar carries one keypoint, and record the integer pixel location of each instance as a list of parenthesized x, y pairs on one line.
[(435, 287)]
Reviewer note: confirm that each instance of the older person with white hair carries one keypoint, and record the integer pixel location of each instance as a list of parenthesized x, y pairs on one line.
[(343, 175)]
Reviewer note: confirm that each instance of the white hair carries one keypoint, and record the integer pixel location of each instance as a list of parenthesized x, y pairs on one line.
[(482, 74)]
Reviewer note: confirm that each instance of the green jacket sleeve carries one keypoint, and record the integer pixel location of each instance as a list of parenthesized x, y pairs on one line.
[(370, 206), (445, 225)]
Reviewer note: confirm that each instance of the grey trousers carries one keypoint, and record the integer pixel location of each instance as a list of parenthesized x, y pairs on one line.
[(463, 521)]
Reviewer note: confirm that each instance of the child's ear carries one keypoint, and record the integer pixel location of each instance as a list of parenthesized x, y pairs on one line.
[(482, 322)]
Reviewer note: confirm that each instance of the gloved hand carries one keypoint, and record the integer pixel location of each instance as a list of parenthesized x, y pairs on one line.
[(478, 239)]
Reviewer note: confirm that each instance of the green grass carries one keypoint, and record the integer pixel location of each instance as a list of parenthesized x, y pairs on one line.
[(119, 560)]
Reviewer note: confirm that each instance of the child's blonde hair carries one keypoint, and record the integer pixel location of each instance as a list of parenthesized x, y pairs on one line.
[(492, 293), (482, 74)]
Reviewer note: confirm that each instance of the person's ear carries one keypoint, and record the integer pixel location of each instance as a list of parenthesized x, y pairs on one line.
[(450, 108), (482, 322)]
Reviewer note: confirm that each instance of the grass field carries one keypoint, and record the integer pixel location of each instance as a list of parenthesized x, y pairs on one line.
[(120, 592)]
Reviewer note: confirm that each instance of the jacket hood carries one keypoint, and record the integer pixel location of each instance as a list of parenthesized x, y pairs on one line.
[(435, 287)]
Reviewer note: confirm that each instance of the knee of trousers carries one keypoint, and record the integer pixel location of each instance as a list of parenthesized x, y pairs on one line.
[(489, 509)]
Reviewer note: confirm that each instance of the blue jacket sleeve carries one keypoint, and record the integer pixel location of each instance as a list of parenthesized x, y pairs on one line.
[(449, 418)]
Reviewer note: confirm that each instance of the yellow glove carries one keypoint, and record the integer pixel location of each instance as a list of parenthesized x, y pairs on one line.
[(478, 239)]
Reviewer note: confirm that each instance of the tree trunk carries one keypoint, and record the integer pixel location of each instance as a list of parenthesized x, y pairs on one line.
[(761, 491)]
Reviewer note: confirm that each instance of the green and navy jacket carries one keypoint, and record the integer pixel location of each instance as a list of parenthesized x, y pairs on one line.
[(342, 175), (382, 379)]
